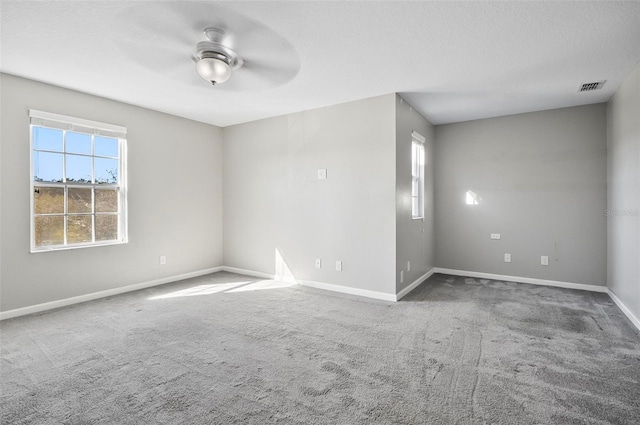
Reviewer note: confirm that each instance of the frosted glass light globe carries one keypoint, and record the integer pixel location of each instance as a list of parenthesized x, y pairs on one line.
[(213, 70)]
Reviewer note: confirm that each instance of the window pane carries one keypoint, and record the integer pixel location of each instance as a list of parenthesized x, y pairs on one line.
[(78, 168), (47, 167), (79, 229), (49, 230), (106, 227), (106, 170), (78, 143), (48, 200), (414, 207), (79, 200), (105, 146), (47, 139), (106, 200), (416, 159)]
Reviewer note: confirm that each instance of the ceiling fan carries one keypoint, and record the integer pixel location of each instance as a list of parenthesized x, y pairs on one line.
[(215, 62), (237, 50)]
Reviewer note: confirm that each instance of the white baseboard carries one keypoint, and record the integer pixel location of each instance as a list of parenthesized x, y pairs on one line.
[(624, 309), (421, 279), (556, 283), (348, 290), (248, 272), (318, 285), (415, 284), (101, 294)]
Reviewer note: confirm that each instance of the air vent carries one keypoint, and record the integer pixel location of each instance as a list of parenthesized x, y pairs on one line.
[(592, 86)]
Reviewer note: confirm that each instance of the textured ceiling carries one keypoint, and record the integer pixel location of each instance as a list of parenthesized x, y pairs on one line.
[(453, 61)]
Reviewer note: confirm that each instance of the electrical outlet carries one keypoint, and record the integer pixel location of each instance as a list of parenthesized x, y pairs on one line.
[(322, 174), (318, 263), (163, 260), (495, 236), (338, 266), (507, 258), (408, 266), (544, 260), (401, 276)]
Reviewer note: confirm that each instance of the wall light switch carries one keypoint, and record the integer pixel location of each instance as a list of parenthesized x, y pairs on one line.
[(495, 236), (544, 260), (408, 266), (507, 258), (163, 260), (339, 266), (318, 263), (322, 174), (401, 276)]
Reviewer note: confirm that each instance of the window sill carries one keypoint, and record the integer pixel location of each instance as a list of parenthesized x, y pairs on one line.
[(38, 250)]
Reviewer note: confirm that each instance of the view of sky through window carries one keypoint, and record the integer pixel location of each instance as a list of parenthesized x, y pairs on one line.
[(56, 151)]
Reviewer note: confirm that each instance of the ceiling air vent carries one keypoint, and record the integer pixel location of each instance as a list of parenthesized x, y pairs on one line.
[(592, 86)]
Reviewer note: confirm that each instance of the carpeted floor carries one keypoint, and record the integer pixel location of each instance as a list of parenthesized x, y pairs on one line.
[(221, 350)]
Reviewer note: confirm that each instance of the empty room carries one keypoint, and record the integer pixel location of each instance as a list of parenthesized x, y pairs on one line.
[(320, 212)]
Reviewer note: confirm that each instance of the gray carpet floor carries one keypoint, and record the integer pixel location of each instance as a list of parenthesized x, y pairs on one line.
[(221, 349)]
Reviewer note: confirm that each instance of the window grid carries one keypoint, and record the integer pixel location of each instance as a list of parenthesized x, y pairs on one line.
[(94, 185)]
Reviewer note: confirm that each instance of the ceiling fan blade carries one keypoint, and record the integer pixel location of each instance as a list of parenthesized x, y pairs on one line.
[(158, 23), (276, 73), (238, 29), (166, 60), (255, 76)]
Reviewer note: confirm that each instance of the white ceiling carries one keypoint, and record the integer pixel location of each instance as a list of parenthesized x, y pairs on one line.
[(453, 61)]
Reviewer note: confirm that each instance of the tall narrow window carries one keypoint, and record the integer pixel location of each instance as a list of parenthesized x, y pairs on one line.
[(417, 176), (78, 184)]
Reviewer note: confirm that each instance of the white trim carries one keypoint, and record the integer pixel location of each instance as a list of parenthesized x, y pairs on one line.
[(248, 272), (52, 248), (348, 290), (419, 137), (415, 284), (65, 120), (318, 285), (102, 294), (624, 309), (556, 283), (9, 314)]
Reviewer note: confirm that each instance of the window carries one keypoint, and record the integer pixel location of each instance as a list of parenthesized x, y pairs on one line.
[(417, 176), (78, 183)]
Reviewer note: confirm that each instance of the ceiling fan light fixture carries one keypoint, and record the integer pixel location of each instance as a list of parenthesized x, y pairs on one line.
[(214, 68), (215, 62)]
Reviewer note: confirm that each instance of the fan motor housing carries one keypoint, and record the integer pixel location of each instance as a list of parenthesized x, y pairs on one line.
[(208, 49)]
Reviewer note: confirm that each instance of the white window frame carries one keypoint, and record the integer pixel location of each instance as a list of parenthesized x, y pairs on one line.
[(92, 128), (417, 176)]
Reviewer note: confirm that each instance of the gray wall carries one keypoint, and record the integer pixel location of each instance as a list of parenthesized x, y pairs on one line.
[(542, 181), (623, 192), (415, 239), (175, 199), (541, 178), (274, 201)]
